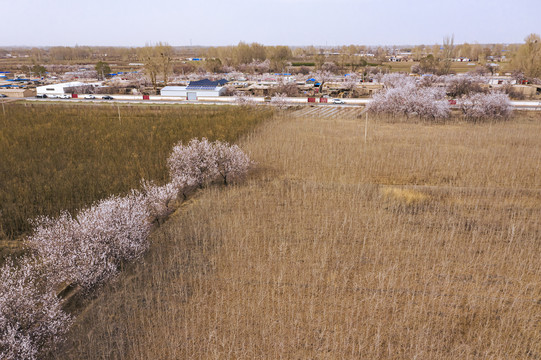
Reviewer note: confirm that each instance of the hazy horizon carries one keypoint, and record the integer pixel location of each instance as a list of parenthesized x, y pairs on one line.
[(275, 22)]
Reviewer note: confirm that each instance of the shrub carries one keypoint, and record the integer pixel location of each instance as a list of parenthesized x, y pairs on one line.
[(32, 321), (486, 106)]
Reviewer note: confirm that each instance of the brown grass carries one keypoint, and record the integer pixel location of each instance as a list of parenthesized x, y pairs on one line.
[(422, 243)]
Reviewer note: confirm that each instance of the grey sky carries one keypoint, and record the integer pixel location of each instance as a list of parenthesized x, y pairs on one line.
[(270, 22)]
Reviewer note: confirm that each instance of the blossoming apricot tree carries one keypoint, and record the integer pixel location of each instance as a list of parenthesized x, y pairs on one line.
[(88, 249)]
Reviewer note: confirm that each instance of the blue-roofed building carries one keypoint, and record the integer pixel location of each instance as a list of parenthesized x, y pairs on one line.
[(5, 75)]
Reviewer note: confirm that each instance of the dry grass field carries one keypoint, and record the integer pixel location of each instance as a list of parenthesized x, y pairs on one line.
[(422, 243), (405, 66)]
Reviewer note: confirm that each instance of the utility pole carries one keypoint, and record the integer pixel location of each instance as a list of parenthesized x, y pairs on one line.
[(365, 127)]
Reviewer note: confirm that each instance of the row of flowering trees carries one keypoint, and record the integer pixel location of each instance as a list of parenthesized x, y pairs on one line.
[(279, 100), (404, 96), (88, 249)]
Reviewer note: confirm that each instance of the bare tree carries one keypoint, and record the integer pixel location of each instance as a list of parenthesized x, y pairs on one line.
[(157, 60), (279, 100), (102, 70), (447, 55), (322, 77), (279, 56), (528, 57), (165, 53)]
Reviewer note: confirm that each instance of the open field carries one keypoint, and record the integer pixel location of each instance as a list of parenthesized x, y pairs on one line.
[(64, 157), (405, 66), (14, 64), (421, 243)]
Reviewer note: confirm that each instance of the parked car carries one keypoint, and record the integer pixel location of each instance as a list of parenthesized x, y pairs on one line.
[(107, 97), (338, 101), (89, 96), (53, 96), (3, 95), (65, 96), (42, 96)]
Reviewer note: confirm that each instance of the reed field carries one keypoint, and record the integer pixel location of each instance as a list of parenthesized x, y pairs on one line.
[(421, 243), (65, 157)]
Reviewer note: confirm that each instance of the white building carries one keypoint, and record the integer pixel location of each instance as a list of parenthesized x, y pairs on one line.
[(195, 90), (501, 80), (57, 89)]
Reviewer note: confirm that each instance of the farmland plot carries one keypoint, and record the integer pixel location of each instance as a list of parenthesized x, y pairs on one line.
[(422, 242), (65, 157)]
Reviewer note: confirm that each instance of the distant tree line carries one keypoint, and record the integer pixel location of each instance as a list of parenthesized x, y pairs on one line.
[(161, 60), (244, 54)]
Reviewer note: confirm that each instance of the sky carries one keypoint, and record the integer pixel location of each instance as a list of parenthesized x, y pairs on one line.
[(268, 22)]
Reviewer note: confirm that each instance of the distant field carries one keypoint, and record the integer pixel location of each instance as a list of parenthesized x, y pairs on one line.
[(421, 243), (56, 157), (14, 65), (457, 67)]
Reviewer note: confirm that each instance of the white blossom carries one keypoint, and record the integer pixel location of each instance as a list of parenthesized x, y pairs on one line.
[(466, 84), (159, 198), (32, 321), (201, 162), (89, 249), (244, 99), (231, 162), (192, 165), (279, 100), (486, 106), (402, 96), (396, 80)]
